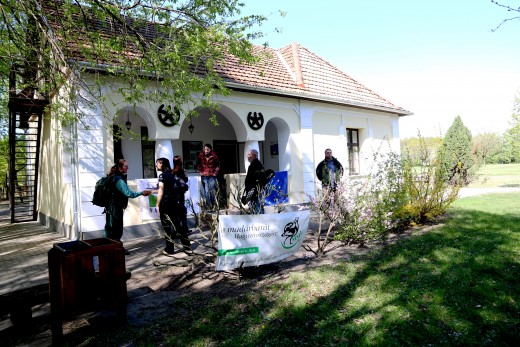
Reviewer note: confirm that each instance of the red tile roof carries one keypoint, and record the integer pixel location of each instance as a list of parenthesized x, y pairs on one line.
[(296, 71), (292, 71)]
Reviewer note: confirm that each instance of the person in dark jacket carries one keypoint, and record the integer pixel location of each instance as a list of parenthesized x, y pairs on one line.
[(121, 193), (170, 205), (329, 171), (208, 166), (255, 174), (178, 171)]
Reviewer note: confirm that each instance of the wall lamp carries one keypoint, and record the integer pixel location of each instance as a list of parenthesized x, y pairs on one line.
[(191, 127), (128, 124)]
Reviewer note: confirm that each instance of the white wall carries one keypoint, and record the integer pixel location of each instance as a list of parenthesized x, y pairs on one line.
[(303, 129)]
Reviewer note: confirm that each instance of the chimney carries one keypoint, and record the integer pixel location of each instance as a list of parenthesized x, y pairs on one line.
[(297, 66)]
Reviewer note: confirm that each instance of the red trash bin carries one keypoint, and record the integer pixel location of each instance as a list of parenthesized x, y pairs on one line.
[(86, 276)]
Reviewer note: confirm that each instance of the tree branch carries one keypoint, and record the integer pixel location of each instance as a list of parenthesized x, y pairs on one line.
[(508, 8)]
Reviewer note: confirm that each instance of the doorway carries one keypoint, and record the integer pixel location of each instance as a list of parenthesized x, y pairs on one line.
[(227, 153)]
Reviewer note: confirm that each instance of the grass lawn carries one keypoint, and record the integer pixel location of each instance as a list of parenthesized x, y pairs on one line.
[(498, 175), (455, 285)]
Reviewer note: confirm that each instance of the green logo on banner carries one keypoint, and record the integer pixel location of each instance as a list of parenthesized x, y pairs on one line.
[(237, 251), (152, 199), (292, 234)]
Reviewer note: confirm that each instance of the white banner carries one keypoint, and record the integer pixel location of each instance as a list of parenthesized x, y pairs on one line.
[(147, 204), (252, 240)]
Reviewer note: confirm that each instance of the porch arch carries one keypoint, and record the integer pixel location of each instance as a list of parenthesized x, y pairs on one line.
[(277, 149)]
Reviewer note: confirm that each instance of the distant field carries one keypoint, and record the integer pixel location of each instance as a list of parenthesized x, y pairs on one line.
[(498, 175)]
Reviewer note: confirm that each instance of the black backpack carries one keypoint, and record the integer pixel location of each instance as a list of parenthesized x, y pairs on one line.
[(174, 188), (103, 192)]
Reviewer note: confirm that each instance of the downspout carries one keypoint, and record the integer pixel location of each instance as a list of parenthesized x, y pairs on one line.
[(75, 173)]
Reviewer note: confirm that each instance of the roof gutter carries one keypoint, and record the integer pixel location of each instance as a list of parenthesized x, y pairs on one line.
[(269, 91), (292, 94)]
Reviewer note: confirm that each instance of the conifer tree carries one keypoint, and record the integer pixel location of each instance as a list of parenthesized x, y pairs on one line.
[(456, 159)]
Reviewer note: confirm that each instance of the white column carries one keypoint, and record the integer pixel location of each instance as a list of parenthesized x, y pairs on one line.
[(307, 150), (396, 141), (164, 149), (249, 145)]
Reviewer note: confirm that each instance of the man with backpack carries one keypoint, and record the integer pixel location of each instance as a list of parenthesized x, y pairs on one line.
[(119, 200)]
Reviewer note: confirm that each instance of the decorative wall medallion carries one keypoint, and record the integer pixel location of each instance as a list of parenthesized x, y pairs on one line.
[(167, 117), (255, 120)]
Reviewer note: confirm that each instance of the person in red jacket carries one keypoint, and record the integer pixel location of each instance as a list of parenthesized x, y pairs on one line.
[(208, 166)]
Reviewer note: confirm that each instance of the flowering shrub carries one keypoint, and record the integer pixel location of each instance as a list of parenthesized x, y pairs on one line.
[(428, 194), (370, 201), (393, 196)]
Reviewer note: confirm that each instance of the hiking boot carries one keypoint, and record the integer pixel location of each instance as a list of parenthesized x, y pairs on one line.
[(167, 252)]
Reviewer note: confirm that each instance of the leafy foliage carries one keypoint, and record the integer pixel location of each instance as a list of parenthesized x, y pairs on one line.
[(413, 149), (428, 193), (4, 155), (159, 50), (512, 135), (485, 146)]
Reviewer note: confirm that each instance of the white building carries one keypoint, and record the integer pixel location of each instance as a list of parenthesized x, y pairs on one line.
[(291, 113)]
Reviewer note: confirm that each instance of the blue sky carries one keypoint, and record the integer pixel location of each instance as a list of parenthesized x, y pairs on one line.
[(437, 59)]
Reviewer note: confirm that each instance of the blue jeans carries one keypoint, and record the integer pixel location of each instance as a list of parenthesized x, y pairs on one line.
[(209, 190)]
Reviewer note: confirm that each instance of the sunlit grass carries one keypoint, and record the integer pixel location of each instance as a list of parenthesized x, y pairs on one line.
[(501, 170), (497, 175), (454, 285)]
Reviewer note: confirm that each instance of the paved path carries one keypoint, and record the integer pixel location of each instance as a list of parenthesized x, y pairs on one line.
[(480, 191), (24, 247)]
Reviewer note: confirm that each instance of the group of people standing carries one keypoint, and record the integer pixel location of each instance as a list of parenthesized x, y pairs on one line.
[(208, 166), (170, 201), (173, 183)]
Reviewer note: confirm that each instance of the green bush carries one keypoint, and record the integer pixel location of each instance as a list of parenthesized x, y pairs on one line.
[(428, 194), (456, 158), (392, 197)]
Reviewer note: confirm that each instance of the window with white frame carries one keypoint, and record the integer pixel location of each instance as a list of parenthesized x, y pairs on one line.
[(353, 151), (148, 154)]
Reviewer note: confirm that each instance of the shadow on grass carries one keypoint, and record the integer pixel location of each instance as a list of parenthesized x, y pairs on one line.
[(456, 285)]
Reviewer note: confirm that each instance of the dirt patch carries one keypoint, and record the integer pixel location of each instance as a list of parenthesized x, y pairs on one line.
[(151, 290), (150, 293)]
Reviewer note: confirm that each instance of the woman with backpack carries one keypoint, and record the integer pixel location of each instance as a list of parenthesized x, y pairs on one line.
[(170, 205), (119, 201)]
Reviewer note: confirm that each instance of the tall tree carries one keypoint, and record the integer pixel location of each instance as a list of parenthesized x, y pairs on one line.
[(159, 50), (512, 134), (485, 146), (456, 154), (420, 150)]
